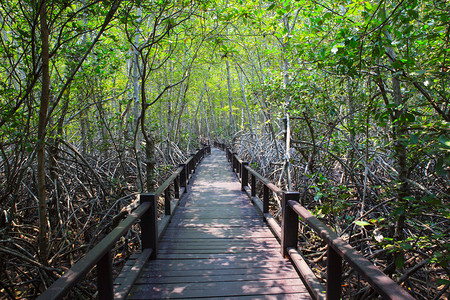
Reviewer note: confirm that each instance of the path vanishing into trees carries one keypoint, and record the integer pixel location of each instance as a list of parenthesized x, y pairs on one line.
[(335, 116), (217, 245), (213, 243)]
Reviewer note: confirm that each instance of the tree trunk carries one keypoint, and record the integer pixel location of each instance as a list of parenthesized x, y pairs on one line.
[(230, 99), (137, 105), (45, 95), (399, 131), (211, 111), (244, 99)]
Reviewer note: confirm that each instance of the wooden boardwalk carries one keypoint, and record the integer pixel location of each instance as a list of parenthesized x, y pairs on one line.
[(218, 247)]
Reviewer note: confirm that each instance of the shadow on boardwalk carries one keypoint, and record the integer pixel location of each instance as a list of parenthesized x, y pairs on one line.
[(218, 246)]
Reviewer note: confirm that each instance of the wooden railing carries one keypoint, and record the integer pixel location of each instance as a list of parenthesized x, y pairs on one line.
[(100, 255), (287, 232), (220, 145)]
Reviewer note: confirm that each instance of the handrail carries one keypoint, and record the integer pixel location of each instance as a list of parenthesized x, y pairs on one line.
[(221, 146), (100, 255), (265, 181), (384, 285), (337, 251)]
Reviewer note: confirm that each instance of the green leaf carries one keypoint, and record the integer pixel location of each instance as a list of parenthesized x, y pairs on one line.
[(318, 196), (413, 139), (409, 198), (399, 261), (362, 223), (392, 105), (431, 199), (410, 117), (444, 140), (442, 281), (326, 209), (406, 246), (398, 211), (440, 170)]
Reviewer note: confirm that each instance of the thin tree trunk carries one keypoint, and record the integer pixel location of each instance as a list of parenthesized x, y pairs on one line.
[(45, 95), (211, 109), (137, 104), (399, 132), (244, 99), (230, 99), (192, 124), (84, 131)]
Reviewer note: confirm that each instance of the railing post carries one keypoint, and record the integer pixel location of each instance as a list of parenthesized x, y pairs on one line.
[(192, 164), (176, 188), (167, 209), (196, 160), (334, 274), (244, 175), (149, 225), (183, 176), (233, 156), (265, 199), (289, 223), (105, 277), (253, 185), (238, 167)]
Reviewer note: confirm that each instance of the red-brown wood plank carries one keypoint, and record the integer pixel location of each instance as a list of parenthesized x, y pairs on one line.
[(175, 272), (218, 246), (215, 264), (218, 289)]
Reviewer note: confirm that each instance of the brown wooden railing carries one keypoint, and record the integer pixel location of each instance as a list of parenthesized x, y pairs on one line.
[(287, 232), (100, 255)]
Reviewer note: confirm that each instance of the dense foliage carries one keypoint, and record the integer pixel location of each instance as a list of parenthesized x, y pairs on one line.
[(346, 101)]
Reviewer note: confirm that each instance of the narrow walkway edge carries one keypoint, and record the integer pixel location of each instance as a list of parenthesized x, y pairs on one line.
[(218, 246)]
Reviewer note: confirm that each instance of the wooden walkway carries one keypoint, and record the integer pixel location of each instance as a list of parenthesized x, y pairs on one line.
[(218, 247)]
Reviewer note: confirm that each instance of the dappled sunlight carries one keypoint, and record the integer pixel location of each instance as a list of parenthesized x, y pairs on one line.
[(217, 245)]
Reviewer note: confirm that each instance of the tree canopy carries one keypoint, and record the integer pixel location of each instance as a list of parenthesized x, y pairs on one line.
[(346, 101)]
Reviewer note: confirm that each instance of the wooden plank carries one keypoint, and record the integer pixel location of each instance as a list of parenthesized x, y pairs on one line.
[(218, 226), (254, 256), (150, 272), (128, 265), (214, 289), (207, 233), (221, 241), (310, 280), (219, 215), (184, 222), (193, 207), (215, 249), (277, 277), (295, 296), (122, 290), (217, 263)]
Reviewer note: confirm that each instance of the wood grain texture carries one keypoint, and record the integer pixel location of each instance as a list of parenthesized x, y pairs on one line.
[(218, 246)]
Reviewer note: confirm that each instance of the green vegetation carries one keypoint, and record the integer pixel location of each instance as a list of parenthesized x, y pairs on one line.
[(346, 101)]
